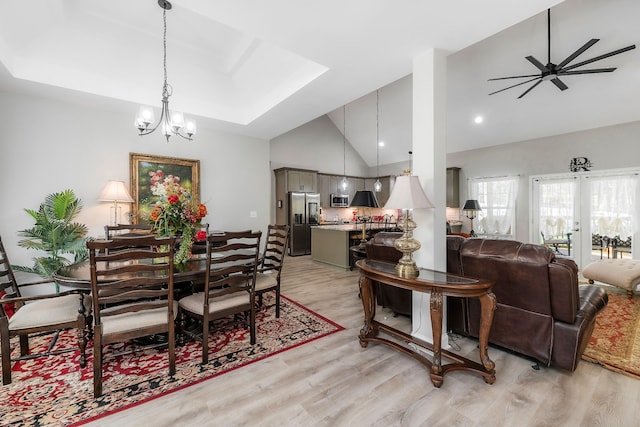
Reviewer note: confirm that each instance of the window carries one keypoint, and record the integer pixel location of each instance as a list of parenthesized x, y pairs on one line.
[(497, 198)]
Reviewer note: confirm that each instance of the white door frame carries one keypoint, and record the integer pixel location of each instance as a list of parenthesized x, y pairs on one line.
[(581, 245)]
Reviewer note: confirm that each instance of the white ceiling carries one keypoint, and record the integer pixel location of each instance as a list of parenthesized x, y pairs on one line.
[(262, 68)]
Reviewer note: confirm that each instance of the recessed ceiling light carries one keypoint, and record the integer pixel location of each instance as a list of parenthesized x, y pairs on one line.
[(380, 143), (478, 119)]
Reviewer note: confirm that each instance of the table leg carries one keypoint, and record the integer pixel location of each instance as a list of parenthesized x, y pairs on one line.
[(436, 326), (369, 305), (487, 307)]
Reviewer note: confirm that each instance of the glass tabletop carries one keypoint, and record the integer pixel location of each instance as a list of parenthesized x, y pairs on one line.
[(425, 275)]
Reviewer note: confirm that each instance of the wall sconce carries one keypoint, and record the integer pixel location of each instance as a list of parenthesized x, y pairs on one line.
[(470, 208)]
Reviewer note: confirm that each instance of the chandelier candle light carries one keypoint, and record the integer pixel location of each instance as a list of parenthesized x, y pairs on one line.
[(173, 122), (407, 195), (116, 192)]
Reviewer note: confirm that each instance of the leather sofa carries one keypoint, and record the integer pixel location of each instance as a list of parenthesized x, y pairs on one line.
[(541, 312)]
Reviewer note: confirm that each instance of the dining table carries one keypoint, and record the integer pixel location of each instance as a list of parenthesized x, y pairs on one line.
[(78, 276)]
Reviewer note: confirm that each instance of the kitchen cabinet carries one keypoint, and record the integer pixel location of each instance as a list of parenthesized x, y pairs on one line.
[(383, 195), (337, 188), (355, 184), (291, 180), (453, 187), (324, 188), (298, 179)]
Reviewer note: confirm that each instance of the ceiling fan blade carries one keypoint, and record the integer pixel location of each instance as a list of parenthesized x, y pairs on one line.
[(559, 84), (538, 64), (592, 71), (517, 84), (514, 77), (529, 90), (578, 52), (597, 58)]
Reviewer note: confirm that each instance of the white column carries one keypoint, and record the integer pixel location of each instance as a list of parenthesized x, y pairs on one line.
[(429, 163)]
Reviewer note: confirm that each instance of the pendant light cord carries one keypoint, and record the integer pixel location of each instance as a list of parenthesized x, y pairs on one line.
[(344, 141), (377, 135)]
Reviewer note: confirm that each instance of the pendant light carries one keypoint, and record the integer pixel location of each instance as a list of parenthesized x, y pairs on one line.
[(344, 184), (377, 186)]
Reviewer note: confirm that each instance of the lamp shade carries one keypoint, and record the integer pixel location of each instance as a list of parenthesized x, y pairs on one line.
[(115, 191), (471, 205), (364, 199), (408, 194)]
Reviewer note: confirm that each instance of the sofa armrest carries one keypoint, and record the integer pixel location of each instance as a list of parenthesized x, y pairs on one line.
[(563, 284)]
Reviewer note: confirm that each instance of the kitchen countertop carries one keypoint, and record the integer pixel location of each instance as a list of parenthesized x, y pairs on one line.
[(352, 226)]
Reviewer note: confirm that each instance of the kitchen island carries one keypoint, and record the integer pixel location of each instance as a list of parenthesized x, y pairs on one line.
[(330, 243)]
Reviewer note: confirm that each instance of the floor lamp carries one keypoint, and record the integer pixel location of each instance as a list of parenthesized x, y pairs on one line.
[(116, 192), (407, 195), (470, 208), (364, 199)]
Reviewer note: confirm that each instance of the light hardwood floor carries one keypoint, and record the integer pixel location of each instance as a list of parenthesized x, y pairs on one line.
[(334, 382)]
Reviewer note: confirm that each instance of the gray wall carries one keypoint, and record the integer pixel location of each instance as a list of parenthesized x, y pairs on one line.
[(318, 145), (48, 146), (607, 148)]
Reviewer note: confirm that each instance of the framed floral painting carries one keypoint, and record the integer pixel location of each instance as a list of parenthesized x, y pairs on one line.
[(149, 174)]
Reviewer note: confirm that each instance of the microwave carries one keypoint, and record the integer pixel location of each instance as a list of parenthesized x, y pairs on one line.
[(339, 200)]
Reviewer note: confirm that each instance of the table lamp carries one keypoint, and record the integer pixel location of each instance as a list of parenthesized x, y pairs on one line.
[(364, 199), (407, 195), (470, 208), (115, 192)]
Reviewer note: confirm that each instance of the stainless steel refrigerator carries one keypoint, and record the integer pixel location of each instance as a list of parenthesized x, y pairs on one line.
[(304, 211)]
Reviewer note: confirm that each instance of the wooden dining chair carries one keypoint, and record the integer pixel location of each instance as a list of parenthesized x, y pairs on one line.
[(26, 316), (229, 287), (270, 270), (124, 230), (132, 290)]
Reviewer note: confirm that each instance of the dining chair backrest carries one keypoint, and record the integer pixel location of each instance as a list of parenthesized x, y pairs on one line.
[(275, 248), (8, 284), (232, 262), (124, 230), (136, 270)]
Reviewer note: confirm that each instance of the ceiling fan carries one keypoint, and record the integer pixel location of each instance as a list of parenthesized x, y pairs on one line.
[(552, 71)]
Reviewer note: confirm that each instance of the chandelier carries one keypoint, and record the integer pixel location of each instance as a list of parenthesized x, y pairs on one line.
[(170, 122)]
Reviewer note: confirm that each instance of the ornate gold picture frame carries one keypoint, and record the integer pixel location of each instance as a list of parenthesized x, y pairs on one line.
[(146, 169)]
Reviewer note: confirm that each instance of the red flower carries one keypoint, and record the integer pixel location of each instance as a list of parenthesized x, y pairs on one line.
[(173, 199), (201, 235), (202, 210), (156, 212)]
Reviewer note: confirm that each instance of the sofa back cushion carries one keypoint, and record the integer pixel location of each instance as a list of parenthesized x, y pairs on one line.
[(511, 264), (381, 247)]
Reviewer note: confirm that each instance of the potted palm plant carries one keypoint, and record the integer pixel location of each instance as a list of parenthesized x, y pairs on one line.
[(56, 233)]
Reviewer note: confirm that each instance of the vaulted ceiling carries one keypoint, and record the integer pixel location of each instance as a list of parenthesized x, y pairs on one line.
[(262, 68)]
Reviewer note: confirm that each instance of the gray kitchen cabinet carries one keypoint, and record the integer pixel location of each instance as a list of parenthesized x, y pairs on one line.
[(383, 195), (324, 188), (453, 187), (298, 179)]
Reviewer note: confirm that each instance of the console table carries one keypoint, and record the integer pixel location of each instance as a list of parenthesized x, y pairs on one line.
[(437, 284)]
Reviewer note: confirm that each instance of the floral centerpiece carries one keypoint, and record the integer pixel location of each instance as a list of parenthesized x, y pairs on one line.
[(176, 214)]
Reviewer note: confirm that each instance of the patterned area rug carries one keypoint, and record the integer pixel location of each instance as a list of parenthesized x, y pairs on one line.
[(55, 391), (615, 343)]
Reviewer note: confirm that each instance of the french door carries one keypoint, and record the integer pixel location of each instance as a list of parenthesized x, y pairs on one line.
[(586, 215)]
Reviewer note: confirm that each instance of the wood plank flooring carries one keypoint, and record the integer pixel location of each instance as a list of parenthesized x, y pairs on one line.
[(334, 382)]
